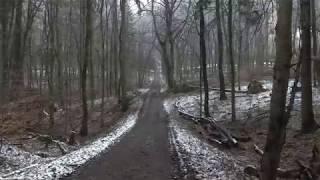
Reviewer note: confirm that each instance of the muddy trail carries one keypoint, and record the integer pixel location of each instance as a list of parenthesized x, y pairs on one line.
[(144, 153)]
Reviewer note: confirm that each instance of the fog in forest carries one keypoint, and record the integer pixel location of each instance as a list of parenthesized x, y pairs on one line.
[(159, 89)]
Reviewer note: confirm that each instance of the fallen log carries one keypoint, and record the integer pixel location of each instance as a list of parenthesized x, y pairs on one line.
[(227, 138), (281, 173), (258, 150), (218, 89), (47, 139)]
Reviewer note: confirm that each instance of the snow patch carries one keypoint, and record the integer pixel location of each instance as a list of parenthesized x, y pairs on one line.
[(143, 90), (67, 164), (247, 105), (168, 105), (13, 158), (205, 161)]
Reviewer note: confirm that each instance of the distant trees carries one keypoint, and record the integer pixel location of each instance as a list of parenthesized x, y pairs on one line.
[(278, 116), (48, 47), (168, 27)]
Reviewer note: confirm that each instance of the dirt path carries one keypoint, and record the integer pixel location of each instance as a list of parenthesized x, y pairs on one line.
[(142, 154)]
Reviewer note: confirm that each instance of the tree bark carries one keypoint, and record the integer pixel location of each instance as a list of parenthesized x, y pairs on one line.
[(88, 41), (103, 61), (203, 57), (4, 16), (122, 56), (316, 71), (233, 96), (278, 121), (220, 52), (308, 122), (17, 76)]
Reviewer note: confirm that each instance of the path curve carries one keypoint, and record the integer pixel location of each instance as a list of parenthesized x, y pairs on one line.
[(144, 153)]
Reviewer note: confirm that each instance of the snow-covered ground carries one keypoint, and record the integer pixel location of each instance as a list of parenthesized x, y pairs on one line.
[(247, 105), (55, 168), (205, 161), (143, 90), (14, 158)]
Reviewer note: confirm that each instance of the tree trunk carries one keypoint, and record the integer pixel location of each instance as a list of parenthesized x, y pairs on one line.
[(203, 57), (87, 58), (4, 16), (278, 121), (233, 96), (17, 76), (220, 51), (308, 122), (115, 48), (122, 56), (103, 61), (239, 50), (316, 66)]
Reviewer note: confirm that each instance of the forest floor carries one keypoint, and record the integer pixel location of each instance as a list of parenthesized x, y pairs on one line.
[(150, 141), (252, 123), (25, 122)]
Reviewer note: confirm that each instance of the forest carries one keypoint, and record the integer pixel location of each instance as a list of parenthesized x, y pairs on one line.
[(159, 89)]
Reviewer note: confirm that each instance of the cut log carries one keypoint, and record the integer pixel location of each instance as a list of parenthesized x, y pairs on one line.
[(258, 150)]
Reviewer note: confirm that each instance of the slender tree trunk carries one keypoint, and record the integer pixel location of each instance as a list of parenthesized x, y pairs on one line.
[(103, 61), (233, 97), (308, 122), (51, 57), (278, 120), (17, 76), (203, 57), (115, 48), (316, 66), (239, 50), (220, 51), (4, 16), (87, 58), (122, 55)]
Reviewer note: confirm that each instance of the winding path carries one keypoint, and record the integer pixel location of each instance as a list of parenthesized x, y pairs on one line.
[(144, 153)]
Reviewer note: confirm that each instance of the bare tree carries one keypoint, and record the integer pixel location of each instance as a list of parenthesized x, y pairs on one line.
[(233, 106), (316, 66), (203, 57), (220, 51), (308, 122), (122, 55), (86, 59), (278, 116), (5, 6), (17, 75)]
